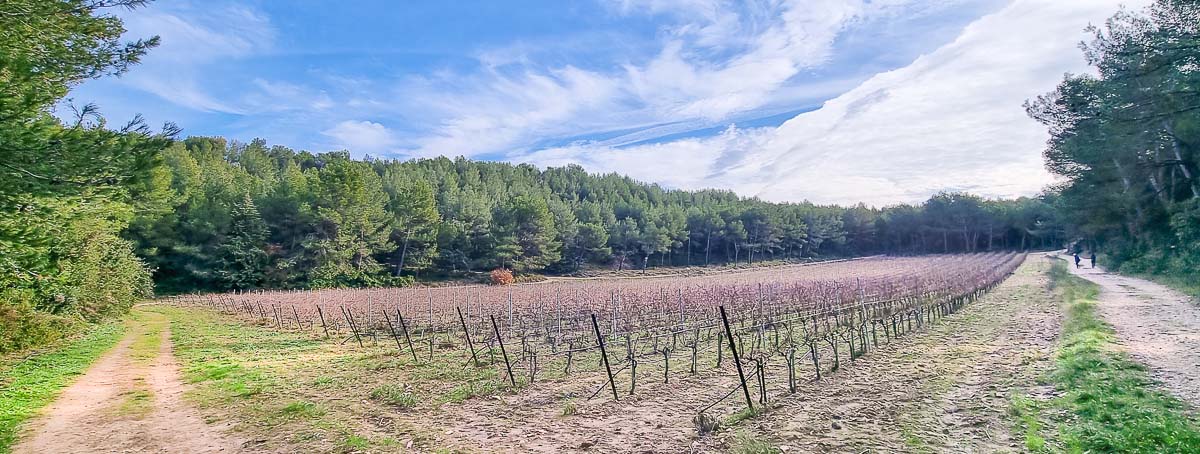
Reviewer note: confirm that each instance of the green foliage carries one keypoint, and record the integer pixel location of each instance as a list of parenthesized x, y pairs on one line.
[(1127, 141), (69, 189), (332, 221), (243, 257), (1115, 405), (745, 443), (302, 409)]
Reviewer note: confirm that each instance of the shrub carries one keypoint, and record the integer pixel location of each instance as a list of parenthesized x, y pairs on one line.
[(22, 327), (502, 276)]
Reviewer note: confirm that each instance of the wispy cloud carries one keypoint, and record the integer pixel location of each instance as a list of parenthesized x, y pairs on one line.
[(715, 60), (192, 38), (950, 120)]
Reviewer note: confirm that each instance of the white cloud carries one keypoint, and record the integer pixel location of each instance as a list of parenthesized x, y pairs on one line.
[(362, 137), (192, 37), (950, 120), (716, 60)]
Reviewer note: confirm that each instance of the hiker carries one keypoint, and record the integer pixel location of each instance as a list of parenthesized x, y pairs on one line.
[(1093, 257), (1077, 260)]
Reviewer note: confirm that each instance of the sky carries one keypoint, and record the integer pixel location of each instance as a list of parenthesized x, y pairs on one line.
[(829, 101)]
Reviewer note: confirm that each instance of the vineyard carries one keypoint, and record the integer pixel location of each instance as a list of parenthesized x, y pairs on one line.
[(770, 327)]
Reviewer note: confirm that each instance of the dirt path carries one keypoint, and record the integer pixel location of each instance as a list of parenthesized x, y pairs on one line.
[(130, 401), (1160, 327)]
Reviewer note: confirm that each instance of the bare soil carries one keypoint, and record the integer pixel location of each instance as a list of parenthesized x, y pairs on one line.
[(945, 388), (1158, 326), (127, 405)]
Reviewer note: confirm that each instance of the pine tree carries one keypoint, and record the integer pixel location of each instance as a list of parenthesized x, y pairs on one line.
[(243, 255)]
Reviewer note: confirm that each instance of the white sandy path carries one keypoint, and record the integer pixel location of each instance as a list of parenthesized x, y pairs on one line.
[(1159, 326)]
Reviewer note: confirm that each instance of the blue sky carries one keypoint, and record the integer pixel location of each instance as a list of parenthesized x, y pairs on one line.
[(842, 101)]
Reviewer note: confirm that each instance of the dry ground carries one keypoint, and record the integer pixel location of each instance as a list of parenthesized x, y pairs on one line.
[(946, 389)]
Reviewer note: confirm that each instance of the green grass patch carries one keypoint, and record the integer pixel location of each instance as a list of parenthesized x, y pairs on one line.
[(1185, 283), (1113, 404), (470, 389), (743, 415), (355, 443), (746, 443), (148, 327), (395, 395), (136, 403), (1027, 413), (302, 409), (31, 383)]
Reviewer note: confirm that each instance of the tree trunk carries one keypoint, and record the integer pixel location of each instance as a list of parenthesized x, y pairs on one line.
[(403, 253), (707, 246), (1187, 174)]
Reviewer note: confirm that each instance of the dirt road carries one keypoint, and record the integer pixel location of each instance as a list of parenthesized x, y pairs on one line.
[(1160, 327), (130, 401)]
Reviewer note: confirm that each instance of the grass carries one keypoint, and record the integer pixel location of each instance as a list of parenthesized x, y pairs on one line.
[(147, 326), (136, 403), (1029, 416), (394, 395), (745, 443), (269, 382), (302, 409), (33, 382), (569, 408), (1186, 284), (1112, 404)]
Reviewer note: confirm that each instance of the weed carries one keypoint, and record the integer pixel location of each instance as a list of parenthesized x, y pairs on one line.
[(394, 395), (569, 408), (746, 443)]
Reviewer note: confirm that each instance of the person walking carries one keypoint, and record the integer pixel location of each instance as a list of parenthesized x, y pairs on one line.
[(1077, 259), (1093, 257)]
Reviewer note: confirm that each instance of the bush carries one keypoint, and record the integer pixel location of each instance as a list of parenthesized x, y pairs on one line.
[(502, 276), (22, 327)]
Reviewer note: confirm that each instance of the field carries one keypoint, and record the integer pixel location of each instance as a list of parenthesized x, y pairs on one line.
[(591, 341)]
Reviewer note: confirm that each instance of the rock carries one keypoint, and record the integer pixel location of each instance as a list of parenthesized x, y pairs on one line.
[(836, 426)]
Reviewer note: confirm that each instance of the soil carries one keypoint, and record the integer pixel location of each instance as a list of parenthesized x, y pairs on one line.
[(944, 388), (1158, 326), (95, 415)]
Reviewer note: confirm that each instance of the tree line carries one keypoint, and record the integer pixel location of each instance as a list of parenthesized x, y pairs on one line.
[(1125, 141), (94, 216), (221, 214)]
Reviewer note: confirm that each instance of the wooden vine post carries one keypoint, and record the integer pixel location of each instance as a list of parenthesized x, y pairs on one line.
[(604, 355), (737, 362), (467, 333), (507, 365)]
